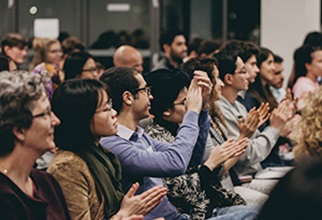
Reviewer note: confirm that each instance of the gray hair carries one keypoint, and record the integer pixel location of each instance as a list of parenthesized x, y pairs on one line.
[(18, 93)]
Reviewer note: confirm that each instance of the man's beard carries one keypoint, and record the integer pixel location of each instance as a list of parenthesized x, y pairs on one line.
[(176, 58)]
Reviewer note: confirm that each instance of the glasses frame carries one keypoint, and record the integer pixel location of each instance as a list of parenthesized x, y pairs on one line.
[(147, 89)]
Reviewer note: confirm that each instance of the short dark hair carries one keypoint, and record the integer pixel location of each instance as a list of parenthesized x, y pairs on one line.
[(75, 102), (204, 64), (244, 49), (208, 47), (168, 36), (166, 85), (226, 62), (13, 40), (119, 80), (74, 64), (277, 58)]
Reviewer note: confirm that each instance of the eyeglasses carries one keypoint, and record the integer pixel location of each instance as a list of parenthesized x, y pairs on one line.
[(43, 114), (109, 107), (147, 89), (94, 69)]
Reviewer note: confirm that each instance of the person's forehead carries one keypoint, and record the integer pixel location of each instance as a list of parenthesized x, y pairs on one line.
[(179, 39)]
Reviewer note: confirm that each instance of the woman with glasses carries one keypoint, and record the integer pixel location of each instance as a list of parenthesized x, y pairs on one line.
[(80, 65), (90, 175), (26, 132)]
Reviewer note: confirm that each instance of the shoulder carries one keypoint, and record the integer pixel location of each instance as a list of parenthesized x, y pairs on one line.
[(68, 163)]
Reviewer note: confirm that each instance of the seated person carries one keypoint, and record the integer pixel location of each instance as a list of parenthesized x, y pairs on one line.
[(26, 132), (144, 159), (90, 175), (198, 192), (233, 73)]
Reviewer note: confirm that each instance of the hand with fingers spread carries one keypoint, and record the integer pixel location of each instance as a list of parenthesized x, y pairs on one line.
[(225, 151), (264, 114), (141, 204), (280, 115), (206, 85), (248, 127), (194, 97)]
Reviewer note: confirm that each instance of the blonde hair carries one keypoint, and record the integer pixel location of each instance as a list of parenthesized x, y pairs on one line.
[(41, 48), (309, 142)]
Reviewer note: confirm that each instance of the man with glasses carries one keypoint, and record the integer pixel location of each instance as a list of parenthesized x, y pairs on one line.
[(235, 77), (144, 159)]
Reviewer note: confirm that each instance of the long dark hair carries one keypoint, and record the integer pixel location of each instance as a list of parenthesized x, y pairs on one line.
[(256, 89), (75, 102), (303, 56)]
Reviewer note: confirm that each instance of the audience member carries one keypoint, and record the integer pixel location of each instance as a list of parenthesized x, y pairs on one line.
[(276, 84), (90, 175), (144, 159), (307, 71), (218, 132), (80, 65), (47, 57), (15, 46), (259, 91), (173, 44), (128, 56), (309, 137), (26, 132), (204, 193), (233, 73)]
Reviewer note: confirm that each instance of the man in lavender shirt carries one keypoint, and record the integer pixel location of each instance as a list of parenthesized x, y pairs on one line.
[(144, 159)]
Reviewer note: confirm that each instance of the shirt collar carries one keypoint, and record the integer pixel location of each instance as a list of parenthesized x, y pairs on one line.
[(126, 133)]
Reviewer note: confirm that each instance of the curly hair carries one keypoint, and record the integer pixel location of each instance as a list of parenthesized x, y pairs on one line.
[(309, 142), (18, 93)]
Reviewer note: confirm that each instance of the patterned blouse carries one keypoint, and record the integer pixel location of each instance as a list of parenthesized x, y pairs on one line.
[(198, 192)]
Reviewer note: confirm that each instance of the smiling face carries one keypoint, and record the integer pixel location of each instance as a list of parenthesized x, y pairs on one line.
[(104, 121), (267, 68), (40, 135)]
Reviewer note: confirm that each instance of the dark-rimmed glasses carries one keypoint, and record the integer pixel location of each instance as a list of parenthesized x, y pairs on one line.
[(147, 89)]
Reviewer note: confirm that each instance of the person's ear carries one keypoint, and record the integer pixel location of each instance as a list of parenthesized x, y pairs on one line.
[(166, 113), (307, 66), (127, 98), (6, 49), (166, 47), (19, 133), (228, 79)]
